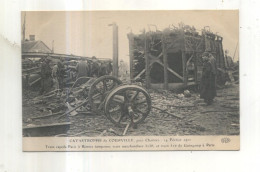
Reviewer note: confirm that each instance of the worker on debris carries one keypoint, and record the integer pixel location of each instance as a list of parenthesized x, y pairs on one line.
[(102, 69), (122, 70), (82, 68), (208, 79), (60, 73), (46, 80), (213, 63), (229, 59), (94, 67), (190, 68), (109, 68), (54, 76)]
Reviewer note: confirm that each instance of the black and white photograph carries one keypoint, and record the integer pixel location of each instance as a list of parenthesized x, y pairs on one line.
[(130, 74)]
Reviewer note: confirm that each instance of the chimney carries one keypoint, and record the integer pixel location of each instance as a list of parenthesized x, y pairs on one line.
[(32, 37)]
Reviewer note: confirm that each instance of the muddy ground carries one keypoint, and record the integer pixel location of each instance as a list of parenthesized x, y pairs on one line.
[(184, 116)]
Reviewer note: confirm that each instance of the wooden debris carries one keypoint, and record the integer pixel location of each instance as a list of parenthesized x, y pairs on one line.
[(165, 111), (32, 83), (46, 129), (114, 132), (73, 112), (230, 107), (83, 132), (61, 135), (47, 95), (235, 98), (181, 106), (219, 111), (85, 112), (52, 114), (102, 134), (66, 113), (126, 128), (235, 124)]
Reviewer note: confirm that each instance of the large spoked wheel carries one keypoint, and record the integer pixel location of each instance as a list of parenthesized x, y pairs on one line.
[(99, 90), (127, 104)]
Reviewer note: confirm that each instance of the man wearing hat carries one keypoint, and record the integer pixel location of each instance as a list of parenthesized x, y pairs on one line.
[(208, 79)]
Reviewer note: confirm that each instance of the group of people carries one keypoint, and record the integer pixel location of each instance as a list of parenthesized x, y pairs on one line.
[(55, 76), (52, 77), (93, 68)]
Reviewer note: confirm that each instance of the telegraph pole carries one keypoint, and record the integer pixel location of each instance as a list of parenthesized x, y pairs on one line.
[(24, 22), (115, 49)]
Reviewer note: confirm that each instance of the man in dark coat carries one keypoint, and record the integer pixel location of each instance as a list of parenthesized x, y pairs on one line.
[(94, 67), (102, 69), (61, 73), (82, 68), (208, 79), (46, 79)]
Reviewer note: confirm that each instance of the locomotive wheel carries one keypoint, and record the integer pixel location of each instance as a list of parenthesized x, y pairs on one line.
[(127, 104), (99, 90)]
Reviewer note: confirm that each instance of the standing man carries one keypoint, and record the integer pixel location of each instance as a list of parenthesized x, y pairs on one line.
[(122, 70), (61, 73), (94, 67), (208, 79), (82, 68), (54, 76), (213, 63), (102, 69), (46, 72)]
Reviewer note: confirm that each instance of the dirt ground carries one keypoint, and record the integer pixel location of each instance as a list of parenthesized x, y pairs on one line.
[(184, 116)]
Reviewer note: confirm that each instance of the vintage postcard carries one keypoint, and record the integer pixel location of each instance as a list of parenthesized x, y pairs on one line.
[(130, 80)]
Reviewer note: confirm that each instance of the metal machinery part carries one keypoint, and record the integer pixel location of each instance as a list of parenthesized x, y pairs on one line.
[(80, 81), (99, 89), (127, 104)]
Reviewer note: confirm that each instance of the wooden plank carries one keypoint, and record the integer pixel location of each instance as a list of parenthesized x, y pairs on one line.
[(172, 86), (165, 111), (165, 65), (52, 114), (35, 81), (131, 55), (57, 56), (139, 75), (184, 68), (47, 125), (31, 69), (184, 60), (154, 57), (172, 71), (115, 50), (46, 129), (222, 55), (147, 61), (196, 69)]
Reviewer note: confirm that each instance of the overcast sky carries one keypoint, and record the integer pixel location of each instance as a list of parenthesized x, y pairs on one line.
[(88, 33)]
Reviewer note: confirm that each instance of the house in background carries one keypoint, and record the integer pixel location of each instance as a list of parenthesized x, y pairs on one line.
[(32, 52), (33, 46)]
